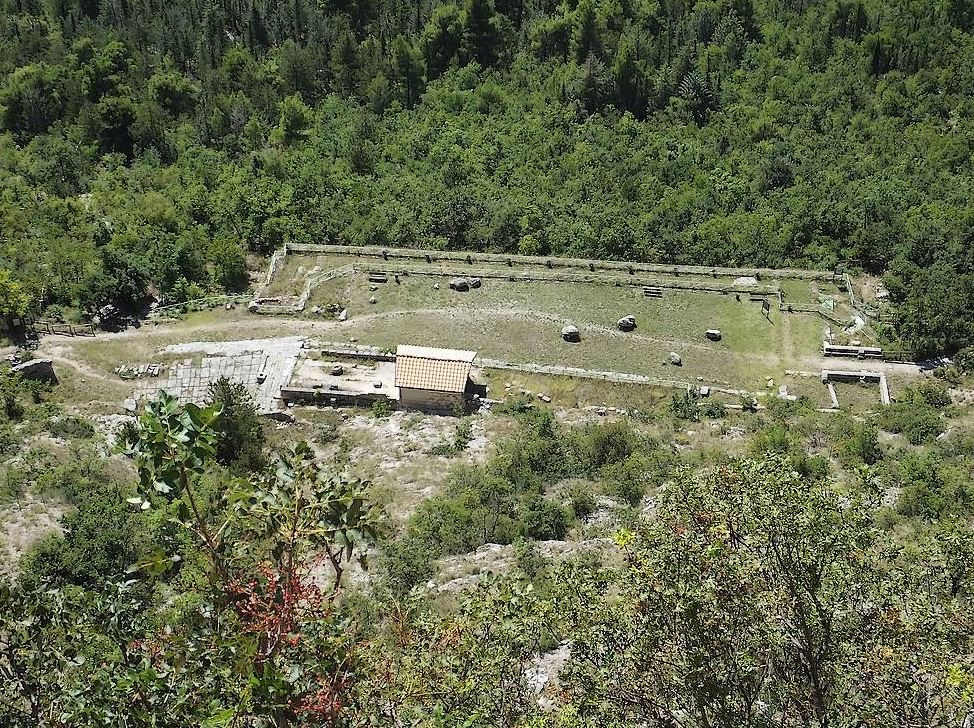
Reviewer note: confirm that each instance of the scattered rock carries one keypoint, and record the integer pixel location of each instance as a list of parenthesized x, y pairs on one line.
[(371, 299), (343, 316), (627, 323), (571, 334), (676, 359), (714, 334)]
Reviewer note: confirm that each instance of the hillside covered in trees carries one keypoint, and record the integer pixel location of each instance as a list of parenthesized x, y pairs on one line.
[(150, 146)]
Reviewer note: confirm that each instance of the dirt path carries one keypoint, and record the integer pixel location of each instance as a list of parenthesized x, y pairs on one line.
[(57, 345), (57, 355)]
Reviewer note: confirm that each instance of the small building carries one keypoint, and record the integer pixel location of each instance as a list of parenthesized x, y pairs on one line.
[(435, 380)]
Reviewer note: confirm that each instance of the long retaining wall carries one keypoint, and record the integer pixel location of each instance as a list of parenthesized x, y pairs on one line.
[(430, 256), (332, 398), (566, 277)]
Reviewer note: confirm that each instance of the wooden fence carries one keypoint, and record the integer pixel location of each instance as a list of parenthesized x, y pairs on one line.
[(63, 329)]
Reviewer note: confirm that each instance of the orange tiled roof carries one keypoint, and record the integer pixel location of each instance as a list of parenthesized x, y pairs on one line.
[(439, 370)]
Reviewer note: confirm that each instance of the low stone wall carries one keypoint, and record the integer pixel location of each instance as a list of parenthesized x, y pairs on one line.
[(332, 398), (554, 262)]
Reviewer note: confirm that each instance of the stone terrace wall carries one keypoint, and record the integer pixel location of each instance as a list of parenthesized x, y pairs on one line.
[(430, 256)]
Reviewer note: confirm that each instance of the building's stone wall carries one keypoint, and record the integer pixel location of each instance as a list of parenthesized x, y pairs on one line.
[(430, 401)]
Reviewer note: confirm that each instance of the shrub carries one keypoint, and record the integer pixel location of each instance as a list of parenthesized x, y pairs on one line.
[(581, 501), (932, 393), (102, 536), (518, 405), (9, 441), (713, 410), (860, 445), (918, 421), (406, 562), (775, 439), (381, 408), (964, 360), (931, 490), (529, 559), (630, 491), (599, 447), (545, 520), (685, 406), (462, 434), (923, 427), (71, 428)]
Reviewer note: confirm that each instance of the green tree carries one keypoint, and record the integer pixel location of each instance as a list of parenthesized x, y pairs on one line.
[(173, 92), (229, 265), (240, 437), (441, 39), (585, 33), (293, 122), (482, 36), (31, 99), (14, 300), (753, 594), (272, 648), (407, 63)]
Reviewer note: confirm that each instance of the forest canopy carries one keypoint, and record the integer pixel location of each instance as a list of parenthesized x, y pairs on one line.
[(148, 148)]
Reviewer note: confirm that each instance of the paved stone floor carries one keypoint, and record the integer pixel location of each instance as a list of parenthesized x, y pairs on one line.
[(240, 361)]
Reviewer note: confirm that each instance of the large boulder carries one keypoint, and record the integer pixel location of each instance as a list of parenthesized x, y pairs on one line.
[(627, 323), (41, 370), (570, 333), (675, 359), (460, 284)]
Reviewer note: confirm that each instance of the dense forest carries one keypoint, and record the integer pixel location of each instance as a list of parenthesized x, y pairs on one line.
[(149, 147)]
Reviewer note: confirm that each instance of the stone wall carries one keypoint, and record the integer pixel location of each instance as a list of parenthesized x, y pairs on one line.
[(429, 401)]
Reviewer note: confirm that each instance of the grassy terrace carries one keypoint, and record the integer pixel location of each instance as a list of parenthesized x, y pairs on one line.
[(521, 321)]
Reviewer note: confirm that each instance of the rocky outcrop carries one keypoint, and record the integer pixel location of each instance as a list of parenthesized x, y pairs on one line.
[(41, 370)]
